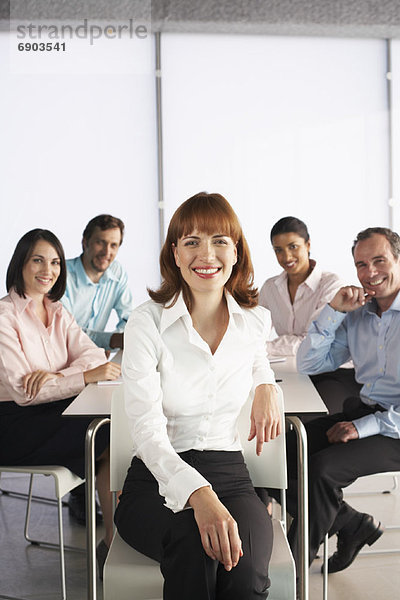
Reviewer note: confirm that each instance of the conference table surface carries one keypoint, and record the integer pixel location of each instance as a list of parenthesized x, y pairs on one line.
[(300, 398)]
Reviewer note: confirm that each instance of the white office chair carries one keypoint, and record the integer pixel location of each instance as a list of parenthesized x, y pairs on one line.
[(64, 482), (128, 575), (394, 475)]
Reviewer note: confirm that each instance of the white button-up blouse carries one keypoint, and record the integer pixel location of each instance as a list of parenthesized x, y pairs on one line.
[(179, 396)]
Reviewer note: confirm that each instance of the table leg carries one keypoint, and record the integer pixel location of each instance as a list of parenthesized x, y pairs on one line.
[(90, 504), (302, 492)]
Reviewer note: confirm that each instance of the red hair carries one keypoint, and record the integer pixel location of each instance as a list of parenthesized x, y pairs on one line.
[(206, 213)]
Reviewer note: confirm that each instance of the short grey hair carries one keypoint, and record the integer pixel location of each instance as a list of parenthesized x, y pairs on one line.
[(392, 237)]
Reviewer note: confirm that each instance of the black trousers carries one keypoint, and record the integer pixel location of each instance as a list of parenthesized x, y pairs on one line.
[(38, 434), (173, 539), (332, 467), (334, 387)]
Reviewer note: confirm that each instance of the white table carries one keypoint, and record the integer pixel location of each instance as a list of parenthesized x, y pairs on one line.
[(301, 398)]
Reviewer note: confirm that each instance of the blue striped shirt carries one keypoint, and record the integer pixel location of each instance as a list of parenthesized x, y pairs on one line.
[(373, 343)]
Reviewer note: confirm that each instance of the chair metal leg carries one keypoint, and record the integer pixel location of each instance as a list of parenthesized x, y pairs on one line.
[(325, 569), (36, 497), (36, 542), (62, 555)]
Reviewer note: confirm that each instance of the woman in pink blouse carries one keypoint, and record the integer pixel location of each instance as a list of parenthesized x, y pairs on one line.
[(46, 360), (299, 293), (295, 298)]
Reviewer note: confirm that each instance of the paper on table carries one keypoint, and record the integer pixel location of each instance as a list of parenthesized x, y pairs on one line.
[(113, 382), (275, 359)]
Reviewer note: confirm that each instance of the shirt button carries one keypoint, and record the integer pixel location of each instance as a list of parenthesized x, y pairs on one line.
[(212, 368), (201, 439), (368, 385), (380, 347), (210, 396), (380, 370)]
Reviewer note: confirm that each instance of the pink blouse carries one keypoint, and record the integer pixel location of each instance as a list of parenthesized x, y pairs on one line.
[(27, 345)]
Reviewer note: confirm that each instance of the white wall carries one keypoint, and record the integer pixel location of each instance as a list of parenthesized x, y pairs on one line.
[(278, 125), (395, 45), (77, 143)]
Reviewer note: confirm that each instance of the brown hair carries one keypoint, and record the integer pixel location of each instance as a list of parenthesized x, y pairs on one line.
[(22, 253), (207, 213), (104, 222)]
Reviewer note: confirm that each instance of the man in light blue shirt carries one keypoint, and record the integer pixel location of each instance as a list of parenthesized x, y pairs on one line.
[(362, 324), (98, 284)]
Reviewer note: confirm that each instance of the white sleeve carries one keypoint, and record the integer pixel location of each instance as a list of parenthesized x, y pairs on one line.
[(148, 424)]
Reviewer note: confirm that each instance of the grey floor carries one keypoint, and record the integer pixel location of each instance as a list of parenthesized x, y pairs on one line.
[(32, 572)]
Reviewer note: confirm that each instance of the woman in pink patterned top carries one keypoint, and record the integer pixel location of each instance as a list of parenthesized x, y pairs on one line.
[(46, 360)]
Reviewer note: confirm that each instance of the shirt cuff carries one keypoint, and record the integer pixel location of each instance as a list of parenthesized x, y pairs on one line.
[(367, 426), (72, 383), (329, 319), (260, 378), (181, 486), (101, 338)]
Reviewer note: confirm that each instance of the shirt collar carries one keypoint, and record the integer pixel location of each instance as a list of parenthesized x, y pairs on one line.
[(84, 277), (312, 280), (372, 306), (22, 303), (179, 310)]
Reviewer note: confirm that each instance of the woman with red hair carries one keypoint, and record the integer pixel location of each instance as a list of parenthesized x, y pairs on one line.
[(193, 354)]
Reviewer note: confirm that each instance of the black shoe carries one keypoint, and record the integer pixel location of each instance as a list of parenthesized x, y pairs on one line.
[(101, 555), (349, 545), (77, 509)]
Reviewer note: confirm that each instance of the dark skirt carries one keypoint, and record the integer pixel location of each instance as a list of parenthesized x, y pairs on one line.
[(39, 435)]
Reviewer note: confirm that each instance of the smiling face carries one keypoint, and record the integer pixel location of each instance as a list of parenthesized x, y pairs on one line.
[(205, 261), (100, 250), (377, 269), (41, 270), (292, 253)]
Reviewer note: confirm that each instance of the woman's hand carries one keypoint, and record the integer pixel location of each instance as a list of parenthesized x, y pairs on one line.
[(108, 371), (265, 418), (33, 382), (218, 529)]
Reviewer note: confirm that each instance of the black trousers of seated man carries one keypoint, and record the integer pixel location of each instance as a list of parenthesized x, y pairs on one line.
[(173, 539), (332, 467)]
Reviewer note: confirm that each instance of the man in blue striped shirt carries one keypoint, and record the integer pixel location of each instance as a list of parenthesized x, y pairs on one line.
[(362, 324)]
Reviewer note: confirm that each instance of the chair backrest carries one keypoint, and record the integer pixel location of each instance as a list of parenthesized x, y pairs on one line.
[(121, 445), (267, 470)]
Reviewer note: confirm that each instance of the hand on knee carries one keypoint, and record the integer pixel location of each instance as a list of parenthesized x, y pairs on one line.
[(218, 529)]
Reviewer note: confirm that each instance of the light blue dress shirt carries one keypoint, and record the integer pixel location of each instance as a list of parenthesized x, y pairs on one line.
[(92, 303), (373, 343)]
